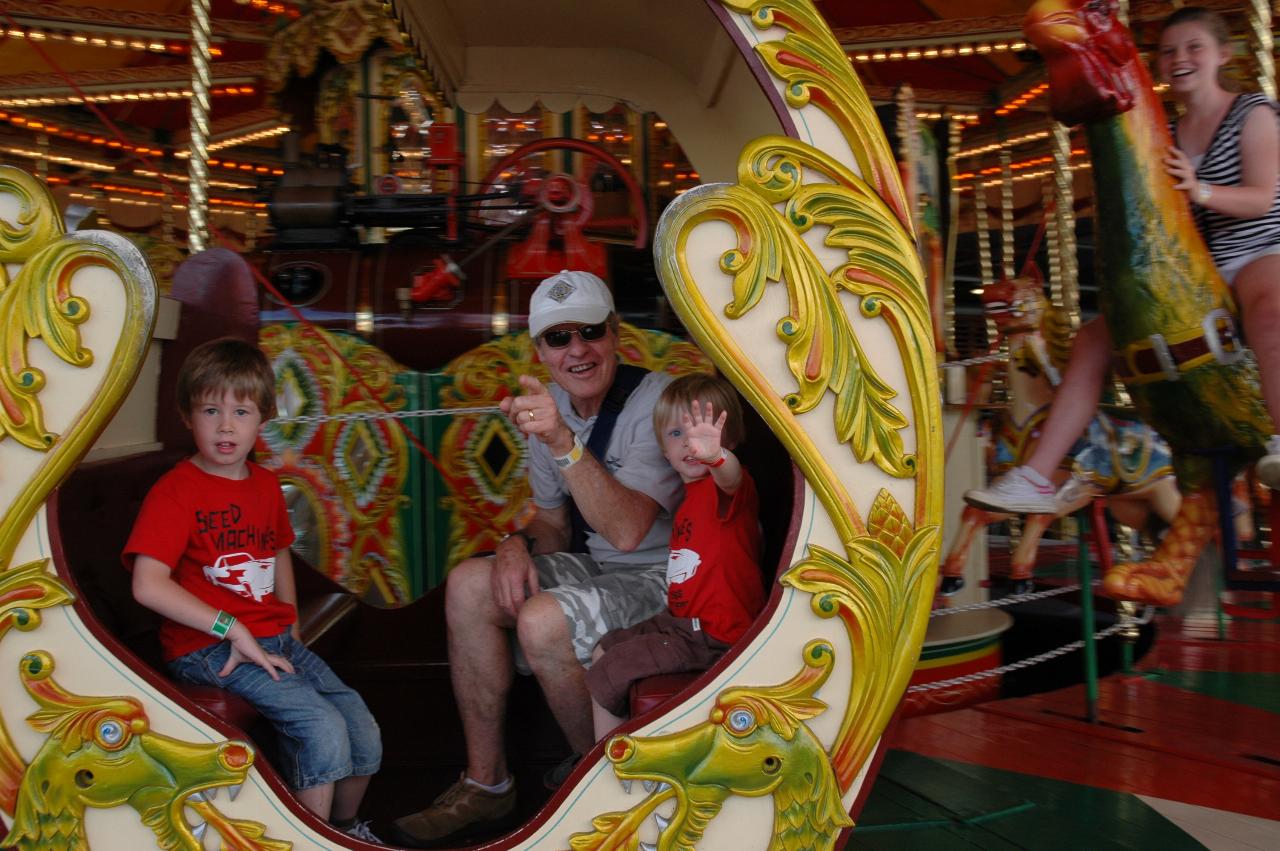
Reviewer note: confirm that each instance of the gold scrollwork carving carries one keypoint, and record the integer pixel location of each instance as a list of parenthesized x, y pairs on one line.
[(879, 590), (814, 69)]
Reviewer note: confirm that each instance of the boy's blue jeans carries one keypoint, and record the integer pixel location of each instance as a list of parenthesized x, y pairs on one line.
[(326, 732)]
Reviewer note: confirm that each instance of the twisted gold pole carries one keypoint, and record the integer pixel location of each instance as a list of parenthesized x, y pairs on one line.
[(198, 168), (981, 223), (1066, 294), (167, 204), (1263, 44), (42, 164), (1052, 244), (909, 149), (954, 131), (981, 232), (1007, 258)]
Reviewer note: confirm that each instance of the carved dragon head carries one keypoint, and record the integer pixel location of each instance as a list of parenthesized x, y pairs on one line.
[(1094, 68), (100, 752), (754, 743)]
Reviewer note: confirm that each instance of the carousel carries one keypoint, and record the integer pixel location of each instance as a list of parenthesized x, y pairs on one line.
[(883, 226)]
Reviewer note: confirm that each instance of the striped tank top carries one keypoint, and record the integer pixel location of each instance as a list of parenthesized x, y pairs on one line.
[(1229, 237)]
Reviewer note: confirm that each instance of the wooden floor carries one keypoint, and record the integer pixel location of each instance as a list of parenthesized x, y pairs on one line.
[(1185, 752)]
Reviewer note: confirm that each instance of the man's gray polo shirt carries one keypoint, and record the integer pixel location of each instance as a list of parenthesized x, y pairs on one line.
[(635, 459)]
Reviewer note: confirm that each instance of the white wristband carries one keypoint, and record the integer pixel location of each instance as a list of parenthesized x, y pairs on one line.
[(573, 456), (1204, 191)]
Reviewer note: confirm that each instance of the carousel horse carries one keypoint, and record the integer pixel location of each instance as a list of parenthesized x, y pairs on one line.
[(1169, 312), (1118, 458)]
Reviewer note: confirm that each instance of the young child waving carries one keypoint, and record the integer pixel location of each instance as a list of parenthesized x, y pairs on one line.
[(714, 590)]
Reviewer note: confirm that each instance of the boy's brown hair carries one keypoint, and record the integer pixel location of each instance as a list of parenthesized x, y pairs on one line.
[(680, 394), (225, 364)]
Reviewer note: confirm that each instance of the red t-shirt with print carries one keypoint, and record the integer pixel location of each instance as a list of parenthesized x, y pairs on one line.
[(219, 537), (713, 571)]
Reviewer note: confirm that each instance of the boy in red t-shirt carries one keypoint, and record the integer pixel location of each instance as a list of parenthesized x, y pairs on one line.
[(210, 553), (714, 590)]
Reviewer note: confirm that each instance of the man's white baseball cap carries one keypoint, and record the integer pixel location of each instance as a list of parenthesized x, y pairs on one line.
[(569, 297)]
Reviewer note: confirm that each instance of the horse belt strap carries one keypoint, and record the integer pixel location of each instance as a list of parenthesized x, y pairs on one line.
[(1158, 359)]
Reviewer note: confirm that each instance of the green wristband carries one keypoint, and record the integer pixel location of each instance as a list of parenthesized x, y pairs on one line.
[(222, 624)]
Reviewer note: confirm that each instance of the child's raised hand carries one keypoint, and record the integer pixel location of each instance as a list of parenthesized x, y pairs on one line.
[(702, 429), (244, 648)]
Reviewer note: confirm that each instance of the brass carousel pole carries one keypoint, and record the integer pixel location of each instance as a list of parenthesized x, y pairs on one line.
[(981, 223), (1263, 45), (954, 130), (1007, 257), (1064, 280), (981, 232), (198, 169), (909, 145), (42, 164)]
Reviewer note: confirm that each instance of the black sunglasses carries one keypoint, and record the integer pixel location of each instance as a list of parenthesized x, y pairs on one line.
[(561, 337)]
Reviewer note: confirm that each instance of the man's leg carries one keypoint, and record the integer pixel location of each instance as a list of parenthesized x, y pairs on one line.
[(544, 638), (481, 667)]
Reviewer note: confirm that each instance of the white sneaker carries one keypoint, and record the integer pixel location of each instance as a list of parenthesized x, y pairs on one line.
[(1015, 492), (1268, 467), (360, 830)]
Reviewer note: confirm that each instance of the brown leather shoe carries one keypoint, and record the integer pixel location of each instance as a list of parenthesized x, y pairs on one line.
[(464, 811)]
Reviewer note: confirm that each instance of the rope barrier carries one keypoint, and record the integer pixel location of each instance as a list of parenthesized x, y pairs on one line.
[(975, 361), (1011, 600), (387, 415), (1025, 663), (1124, 623)]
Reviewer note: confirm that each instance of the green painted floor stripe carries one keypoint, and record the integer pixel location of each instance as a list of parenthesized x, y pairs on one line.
[(919, 802), (1259, 690)]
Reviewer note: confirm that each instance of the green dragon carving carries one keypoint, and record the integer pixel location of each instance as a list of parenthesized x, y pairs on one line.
[(754, 743), (101, 752)]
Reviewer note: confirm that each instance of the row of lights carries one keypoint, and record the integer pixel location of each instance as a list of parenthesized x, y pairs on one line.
[(1023, 99), (945, 52), (156, 193), (1008, 143), (102, 141), (273, 7), (515, 125), (133, 202), (57, 158), (123, 97), (962, 117), (1031, 175), (149, 45), (1021, 165), (242, 139), (75, 135), (182, 178), (247, 168), (609, 137)]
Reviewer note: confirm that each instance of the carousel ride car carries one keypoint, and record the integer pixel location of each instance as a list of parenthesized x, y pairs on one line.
[(837, 367)]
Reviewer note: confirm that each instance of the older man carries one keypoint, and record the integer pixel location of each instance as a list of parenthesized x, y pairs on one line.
[(597, 474)]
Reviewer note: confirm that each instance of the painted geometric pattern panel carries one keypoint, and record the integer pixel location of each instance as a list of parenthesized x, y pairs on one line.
[(343, 478)]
